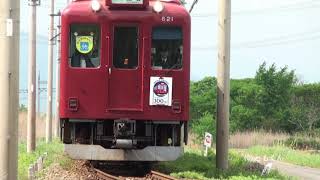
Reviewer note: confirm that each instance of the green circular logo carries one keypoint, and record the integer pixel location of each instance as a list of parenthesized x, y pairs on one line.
[(84, 44)]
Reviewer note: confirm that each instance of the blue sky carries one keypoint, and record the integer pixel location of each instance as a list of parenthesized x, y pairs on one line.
[(285, 32)]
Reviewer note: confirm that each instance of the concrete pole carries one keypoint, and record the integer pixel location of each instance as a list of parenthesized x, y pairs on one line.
[(9, 80), (50, 69), (223, 83), (14, 96), (57, 132), (31, 125)]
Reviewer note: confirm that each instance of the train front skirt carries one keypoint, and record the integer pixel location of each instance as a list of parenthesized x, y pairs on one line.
[(97, 152)]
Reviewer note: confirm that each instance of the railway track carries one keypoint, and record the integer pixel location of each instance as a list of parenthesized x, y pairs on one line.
[(159, 176), (153, 175)]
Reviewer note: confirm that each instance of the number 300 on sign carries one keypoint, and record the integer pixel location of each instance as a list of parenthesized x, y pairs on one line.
[(159, 101)]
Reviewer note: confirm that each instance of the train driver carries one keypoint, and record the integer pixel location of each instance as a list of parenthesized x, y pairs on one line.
[(162, 58), (166, 51)]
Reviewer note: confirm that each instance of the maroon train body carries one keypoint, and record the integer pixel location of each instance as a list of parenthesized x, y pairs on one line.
[(124, 79)]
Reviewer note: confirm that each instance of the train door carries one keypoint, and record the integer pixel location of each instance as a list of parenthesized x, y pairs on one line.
[(125, 69)]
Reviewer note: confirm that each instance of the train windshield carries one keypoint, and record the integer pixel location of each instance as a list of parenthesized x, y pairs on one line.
[(84, 46), (125, 47), (167, 49)]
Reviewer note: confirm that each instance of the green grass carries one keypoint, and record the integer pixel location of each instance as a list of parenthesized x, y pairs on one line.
[(55, 154), (287, 154), (192, 165)]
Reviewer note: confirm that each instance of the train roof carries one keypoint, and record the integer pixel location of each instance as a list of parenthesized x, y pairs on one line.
[(82, 7), (175, 1)]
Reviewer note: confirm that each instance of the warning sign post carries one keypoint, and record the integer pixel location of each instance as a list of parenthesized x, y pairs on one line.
[(207, 142)]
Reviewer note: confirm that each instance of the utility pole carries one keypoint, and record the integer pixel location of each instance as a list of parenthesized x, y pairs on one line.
[(31, 125), (58, 78), (223, 82), (9, 80), (50, 69)]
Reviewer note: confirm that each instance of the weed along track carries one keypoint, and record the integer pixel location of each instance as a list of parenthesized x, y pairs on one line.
[(126, 172)]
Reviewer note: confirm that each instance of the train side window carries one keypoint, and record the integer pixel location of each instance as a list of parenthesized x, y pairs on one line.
[(84, 46), (125, 47), (167, 48)]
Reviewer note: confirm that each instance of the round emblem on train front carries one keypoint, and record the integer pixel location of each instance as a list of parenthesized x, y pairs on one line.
[(84, 44), (160, 88)]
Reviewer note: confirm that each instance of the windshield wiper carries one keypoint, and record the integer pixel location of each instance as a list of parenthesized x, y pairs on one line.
[(175, 66)]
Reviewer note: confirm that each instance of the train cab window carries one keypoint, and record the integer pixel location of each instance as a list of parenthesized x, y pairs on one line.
[(84, 46), (167, 49), (125, 47)]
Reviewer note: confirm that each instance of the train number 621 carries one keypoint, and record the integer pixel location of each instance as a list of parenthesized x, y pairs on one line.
[(167, 18)]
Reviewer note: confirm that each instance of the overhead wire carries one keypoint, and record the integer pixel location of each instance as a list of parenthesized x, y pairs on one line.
[(276, 41), (280, 9), (57, 5), (192, 6)]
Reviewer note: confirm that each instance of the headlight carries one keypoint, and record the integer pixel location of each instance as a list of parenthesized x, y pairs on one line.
[(95, 5), (158, 6)]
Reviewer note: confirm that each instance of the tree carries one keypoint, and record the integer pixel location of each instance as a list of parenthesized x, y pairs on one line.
[(203, 106), (244, 114), (305, 105), (274, 102), (207, 123), (202, 98)]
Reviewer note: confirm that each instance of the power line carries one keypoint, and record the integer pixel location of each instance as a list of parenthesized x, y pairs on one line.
[(248, 46), (282, 40), (25, 91), (281, 9), (193, 4), (58, 5), (275, 43)]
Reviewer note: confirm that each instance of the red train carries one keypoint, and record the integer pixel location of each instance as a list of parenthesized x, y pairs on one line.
[(124, 80)]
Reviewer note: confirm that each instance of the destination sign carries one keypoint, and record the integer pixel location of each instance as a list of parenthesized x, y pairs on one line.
[(127, 1)]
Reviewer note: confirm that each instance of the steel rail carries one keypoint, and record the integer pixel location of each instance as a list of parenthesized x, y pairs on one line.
[(159, 176), (104, 176), (153, 175)]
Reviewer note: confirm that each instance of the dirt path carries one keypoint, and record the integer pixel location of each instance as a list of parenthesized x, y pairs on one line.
[(301, 172), (298, 171)]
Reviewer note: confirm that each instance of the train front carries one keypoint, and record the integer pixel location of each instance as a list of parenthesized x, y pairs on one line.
[(124, 80)]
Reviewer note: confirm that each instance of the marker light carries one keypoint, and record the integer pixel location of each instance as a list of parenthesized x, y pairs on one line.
[(73, 104), (95, 5), (158, 7)]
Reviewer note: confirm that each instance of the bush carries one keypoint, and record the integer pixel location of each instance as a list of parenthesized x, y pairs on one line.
[(205, 124), (302, 143)]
